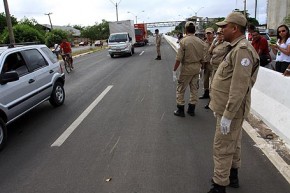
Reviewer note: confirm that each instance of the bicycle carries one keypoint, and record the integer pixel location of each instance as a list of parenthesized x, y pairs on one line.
[(67, 62)]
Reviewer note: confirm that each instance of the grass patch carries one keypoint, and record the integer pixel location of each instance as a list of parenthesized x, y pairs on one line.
[(94, 49)]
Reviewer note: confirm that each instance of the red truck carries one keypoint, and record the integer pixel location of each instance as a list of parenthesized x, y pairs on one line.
[(141, 34)]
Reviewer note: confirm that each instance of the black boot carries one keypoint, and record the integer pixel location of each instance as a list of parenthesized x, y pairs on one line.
[(191, 109), (205, 94), (206, 106), (234, 180), (158, 58), (217, 189), (180, 111)]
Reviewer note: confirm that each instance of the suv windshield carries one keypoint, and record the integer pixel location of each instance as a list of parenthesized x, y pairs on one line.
[(118, 38)]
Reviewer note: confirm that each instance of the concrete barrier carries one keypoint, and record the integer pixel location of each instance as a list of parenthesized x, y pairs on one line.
[(270, 98), (271, 101)]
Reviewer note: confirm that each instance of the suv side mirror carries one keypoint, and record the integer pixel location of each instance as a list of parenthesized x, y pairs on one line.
[(8, 77)]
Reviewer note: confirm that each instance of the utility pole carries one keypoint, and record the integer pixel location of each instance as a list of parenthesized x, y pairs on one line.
[(9, 23), (256, 3), (245, 7), (49, 19)]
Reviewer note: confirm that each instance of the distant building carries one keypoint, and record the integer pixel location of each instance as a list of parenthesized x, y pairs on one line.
[(75, 33), (277, 11)]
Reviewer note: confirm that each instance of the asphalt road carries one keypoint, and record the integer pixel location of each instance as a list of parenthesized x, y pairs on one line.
[(124, 137)]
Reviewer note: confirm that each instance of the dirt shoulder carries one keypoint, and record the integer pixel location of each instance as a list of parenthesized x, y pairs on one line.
[(272, 139)]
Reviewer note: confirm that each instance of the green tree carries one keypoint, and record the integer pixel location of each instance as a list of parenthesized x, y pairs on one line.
[(23, 33), (3, 22), (97, 31), (79, 27), (103, 30), (32, 23), (55, 37), (286, 20)]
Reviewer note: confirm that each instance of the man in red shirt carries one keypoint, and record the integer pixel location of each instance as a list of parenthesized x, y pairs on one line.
[(261, 46), (65, 48)]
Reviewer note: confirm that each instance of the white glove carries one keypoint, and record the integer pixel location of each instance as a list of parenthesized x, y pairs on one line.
[(174, 76), (225, 125)]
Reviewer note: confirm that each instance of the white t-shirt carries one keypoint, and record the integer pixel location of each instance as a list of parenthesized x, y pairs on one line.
[(56, 47), (281, 57)]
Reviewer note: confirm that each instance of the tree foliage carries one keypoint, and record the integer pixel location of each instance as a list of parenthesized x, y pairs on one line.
[(3, 22), (55, 37), (97, 31), (286, 20), (23, 33)]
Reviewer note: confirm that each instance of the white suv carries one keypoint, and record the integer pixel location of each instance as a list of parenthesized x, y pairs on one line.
[(29, 75)]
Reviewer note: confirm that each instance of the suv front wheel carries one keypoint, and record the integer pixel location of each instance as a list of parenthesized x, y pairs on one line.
[(57, 95), (3, 133)]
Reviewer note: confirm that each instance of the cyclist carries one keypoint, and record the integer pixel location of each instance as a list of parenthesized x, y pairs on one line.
[(65, 49)]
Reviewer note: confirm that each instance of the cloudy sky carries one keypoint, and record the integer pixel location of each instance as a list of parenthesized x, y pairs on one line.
[(89, 12)]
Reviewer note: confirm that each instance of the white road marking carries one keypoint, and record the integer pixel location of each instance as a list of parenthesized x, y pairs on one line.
[(80, 119), (115, 145), (141, 53)]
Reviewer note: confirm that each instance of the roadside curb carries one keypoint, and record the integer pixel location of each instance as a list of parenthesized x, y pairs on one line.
[(83, 54), (268, 150)]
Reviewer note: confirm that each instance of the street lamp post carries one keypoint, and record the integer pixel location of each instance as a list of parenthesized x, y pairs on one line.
[(135, 14), (195, 12), (116, 5)]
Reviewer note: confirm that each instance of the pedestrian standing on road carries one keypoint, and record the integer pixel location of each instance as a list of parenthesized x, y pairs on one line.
[(217, 50), (207, 69), (282, 50), (230, 101), (261, 46), (158, 44), (189, 57)]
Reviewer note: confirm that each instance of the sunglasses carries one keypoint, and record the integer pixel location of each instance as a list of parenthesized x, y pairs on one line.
[(282, 31)]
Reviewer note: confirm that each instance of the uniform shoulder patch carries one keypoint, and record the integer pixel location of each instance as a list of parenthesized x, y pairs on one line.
[(245, 62)]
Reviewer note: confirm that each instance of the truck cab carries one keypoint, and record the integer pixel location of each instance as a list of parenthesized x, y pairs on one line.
[(120, 44)]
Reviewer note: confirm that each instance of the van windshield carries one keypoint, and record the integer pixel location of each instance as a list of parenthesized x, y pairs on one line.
[(118, 38)]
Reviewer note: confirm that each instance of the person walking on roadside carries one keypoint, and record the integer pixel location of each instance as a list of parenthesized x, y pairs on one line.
[(261, 46), (230, 101), (189, 57), (207, 69), (282, 50), (158, 44)]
